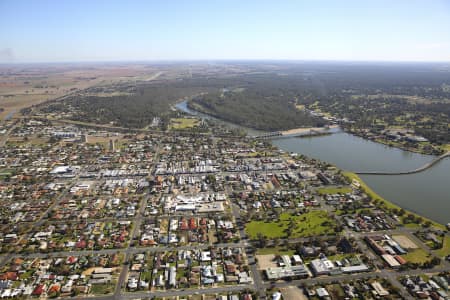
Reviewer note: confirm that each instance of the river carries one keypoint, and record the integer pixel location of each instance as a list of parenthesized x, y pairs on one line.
[(183, 107), (426, 193)]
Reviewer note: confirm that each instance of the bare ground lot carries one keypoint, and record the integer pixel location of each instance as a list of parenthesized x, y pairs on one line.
[(404, 242), (266, 261), (293, 293), (306, 130)]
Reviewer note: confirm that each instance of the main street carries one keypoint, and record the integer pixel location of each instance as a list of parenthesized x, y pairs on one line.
[(257, 281)]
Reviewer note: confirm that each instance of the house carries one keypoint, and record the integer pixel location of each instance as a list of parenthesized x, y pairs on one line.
[(297, 259), (322, 293), (11, 276), (205, 256), (132, 283), (244, 278), (379, 290), (173, 276), (276, 296), (40, 288)]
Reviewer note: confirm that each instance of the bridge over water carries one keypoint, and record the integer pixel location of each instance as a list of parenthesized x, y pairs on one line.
[(287, 134), (268, 135), (418, 170)]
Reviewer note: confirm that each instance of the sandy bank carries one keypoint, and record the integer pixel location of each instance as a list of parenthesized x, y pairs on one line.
[(306, 130)]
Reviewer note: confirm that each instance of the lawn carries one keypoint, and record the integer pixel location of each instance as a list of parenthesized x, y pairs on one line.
[(334, 190), (99, 289), (340, 256), (183, 123), (418, 256), (312, 223), (412, 225), (336, 290), (7, 172), (269, 229), (146, 275), (446, 147), (275, 250), (445, 250), (26, 275)]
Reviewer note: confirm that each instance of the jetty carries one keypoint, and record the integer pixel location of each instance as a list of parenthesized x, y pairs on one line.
[(418, 170)]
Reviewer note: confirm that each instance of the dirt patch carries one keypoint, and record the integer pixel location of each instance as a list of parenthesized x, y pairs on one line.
[(293, 293), (88, 272), (266, 261), (404, 242)]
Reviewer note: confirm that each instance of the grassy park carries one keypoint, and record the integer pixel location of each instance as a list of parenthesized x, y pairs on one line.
[(183, 123), (312, 223), (418, 256), (445, 250), (334, 190)]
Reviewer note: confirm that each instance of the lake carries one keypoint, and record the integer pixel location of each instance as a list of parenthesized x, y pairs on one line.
[(426, 193)]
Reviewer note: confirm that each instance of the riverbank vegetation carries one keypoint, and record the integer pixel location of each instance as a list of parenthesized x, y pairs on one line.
[(135, 111), (256, 107), (135, 105)]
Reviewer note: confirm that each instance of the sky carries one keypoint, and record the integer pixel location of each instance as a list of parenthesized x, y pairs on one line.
[(347, 30)]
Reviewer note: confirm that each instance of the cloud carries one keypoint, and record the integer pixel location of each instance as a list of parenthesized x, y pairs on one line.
[(6, 55)]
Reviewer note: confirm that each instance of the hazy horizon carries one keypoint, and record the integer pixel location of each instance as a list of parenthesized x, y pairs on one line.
[(155, 31), (225, 61)]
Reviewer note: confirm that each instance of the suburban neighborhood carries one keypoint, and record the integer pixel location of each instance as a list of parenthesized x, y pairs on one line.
[(89, 212)]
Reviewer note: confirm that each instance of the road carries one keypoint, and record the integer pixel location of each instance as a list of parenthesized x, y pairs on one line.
[(157, 294), (133, 235), (5, 137), (257, 280), (135, 232)]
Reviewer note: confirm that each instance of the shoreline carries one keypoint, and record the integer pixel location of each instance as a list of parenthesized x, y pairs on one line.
[(386, 143), (302, 130), (292, 131), (389, 204)]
